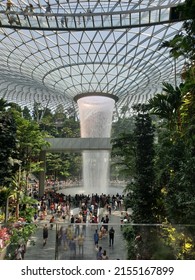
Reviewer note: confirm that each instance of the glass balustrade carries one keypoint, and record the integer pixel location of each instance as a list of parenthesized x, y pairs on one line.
[(60, 20)]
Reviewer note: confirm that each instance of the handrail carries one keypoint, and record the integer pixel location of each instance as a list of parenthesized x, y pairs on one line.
[(90, 21)]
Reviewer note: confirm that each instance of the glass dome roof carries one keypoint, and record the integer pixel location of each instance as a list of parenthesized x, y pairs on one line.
[(79, 47)]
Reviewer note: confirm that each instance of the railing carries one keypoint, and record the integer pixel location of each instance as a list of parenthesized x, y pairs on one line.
[(16, 17), (131, 241)]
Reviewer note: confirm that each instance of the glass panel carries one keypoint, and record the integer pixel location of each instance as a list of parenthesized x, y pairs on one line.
[(164, 14), (135, 18), (155, 16), (145, 17), (117, 239)]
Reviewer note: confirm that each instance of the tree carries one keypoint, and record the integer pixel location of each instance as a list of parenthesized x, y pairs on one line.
[(179, 165), (167, 105), (144, 191), (137, 154), (3, 105), (26, 113), (30, 141), (123, 155), (55, 165), (7, 147), (7, 151)]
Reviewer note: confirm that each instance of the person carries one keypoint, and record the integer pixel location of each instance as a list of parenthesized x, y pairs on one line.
[(35, 217), (52, 208), (99, 253), (69, 233), (103, 231), (38, 209), (59, 237), (9, 4), (96, 238), (72, 219), (51, 222), (109, 209), (79, 19), (26, 11), (72, 246), (100, 234), (65, 238), (48, 8), (18, 252), (64, 20), (45, 235), (31, 7), (104, 255), (89, 12), (12, 20), (106, 220), (80, 241), (111, 236), (121, 219), (23, 250)]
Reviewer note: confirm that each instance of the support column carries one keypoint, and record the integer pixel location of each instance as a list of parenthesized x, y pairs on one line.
[(42, 173)]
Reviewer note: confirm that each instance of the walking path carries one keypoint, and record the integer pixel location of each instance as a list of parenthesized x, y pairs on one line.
[(36, 251)]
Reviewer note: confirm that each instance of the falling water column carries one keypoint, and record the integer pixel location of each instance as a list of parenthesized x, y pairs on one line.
[(95, 121)]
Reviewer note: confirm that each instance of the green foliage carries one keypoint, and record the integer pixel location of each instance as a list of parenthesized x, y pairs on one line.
[(30, 141), (167, 105), (144, 190), (27, 208), (63, 165), (129, 235), (180, 239), (21, 234), (122, 126), (3, 196), (7, 146), (161, 251), (26, 113), (123, 154), (183, 44)]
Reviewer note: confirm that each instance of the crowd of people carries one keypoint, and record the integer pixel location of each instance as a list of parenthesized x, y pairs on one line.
[(60, 203), (48, 9), (71, 236), (10, 6), (73, 214)]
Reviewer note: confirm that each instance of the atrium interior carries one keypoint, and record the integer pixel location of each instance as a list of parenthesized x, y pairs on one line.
[(81, 68)]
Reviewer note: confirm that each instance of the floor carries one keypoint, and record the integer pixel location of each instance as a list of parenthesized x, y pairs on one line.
[(52, 251)]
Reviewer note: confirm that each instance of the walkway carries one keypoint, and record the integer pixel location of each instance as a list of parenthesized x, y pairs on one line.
[(114, 16), (36, 251)]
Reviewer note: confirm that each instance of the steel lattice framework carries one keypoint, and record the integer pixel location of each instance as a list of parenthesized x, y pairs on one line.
[(51, 54)]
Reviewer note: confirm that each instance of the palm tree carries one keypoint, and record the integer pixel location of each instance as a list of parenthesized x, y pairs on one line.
[(167, 105), (3, 104)]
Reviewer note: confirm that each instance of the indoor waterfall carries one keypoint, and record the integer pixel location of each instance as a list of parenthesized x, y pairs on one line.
[(95, 113)]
